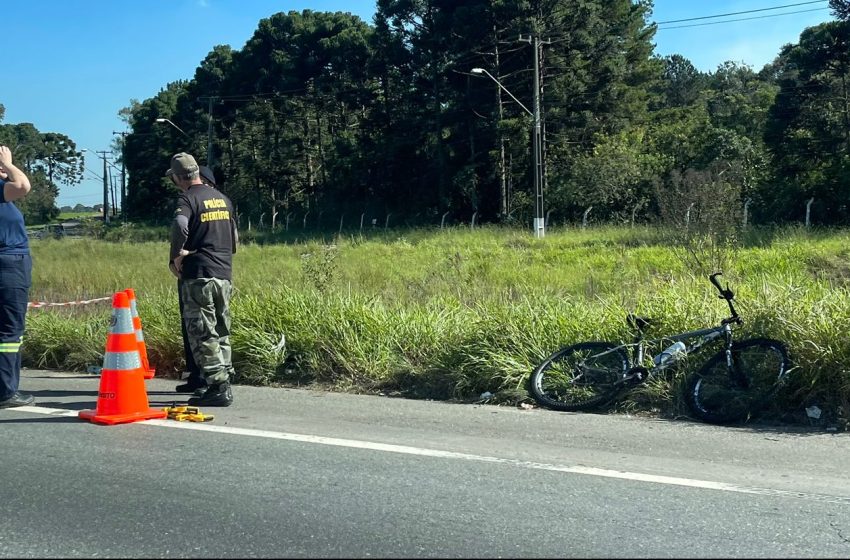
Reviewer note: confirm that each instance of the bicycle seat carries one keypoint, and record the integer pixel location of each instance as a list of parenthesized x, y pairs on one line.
[(638, 323)]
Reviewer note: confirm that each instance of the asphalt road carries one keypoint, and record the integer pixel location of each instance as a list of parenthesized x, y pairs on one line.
[(299, 473)]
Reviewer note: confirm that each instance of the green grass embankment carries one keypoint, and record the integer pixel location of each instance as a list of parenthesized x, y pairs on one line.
[(454, 313)]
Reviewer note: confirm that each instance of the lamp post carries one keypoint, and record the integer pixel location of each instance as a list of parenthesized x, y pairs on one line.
[(175, 126), (209, 135), (539, 221)]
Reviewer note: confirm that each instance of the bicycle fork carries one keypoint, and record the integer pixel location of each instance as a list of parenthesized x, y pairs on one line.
[(736, 372)]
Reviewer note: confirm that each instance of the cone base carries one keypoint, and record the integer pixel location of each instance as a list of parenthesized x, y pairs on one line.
[(112, 419), (149, 373)]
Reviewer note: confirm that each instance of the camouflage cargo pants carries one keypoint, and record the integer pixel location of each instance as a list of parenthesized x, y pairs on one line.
[(206, 316)]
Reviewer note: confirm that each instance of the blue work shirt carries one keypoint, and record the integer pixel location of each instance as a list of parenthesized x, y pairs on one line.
[(13, 232)]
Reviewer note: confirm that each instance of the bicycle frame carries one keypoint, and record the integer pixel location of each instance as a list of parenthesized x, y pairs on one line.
[(703, 337)]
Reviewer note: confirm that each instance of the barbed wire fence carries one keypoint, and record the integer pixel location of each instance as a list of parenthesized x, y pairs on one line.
[(365, 221)]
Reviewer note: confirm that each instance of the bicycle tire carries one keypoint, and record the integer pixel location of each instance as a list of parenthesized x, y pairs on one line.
[(579, 377), (718, 396)]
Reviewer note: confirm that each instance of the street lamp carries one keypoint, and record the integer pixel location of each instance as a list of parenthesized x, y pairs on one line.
[(539, 221), (174, 125)]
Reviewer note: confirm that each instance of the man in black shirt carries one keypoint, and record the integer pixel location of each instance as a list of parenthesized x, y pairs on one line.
[(195, 382), (203, 240)]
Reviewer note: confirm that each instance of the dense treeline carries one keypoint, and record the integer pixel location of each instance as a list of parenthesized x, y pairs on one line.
[(321, 115)]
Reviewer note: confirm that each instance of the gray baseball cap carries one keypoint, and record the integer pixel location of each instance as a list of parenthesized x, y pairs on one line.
[(182, 164)]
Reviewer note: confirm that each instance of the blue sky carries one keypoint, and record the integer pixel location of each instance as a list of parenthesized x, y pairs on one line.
[(71, 65)]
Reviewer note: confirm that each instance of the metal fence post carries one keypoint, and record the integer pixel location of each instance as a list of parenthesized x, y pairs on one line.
[(584, 218), (688, 215), (809, 212)]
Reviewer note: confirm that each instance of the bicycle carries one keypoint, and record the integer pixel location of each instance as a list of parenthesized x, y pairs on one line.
[(730, 386)]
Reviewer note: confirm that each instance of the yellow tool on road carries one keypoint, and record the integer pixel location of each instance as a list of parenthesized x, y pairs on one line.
[(187, 414)]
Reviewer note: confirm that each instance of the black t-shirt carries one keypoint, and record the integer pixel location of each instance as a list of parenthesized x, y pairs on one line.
[(211, 235)]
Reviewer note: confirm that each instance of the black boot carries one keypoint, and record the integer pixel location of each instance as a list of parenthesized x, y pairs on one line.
[(215, 395), (194, 384)]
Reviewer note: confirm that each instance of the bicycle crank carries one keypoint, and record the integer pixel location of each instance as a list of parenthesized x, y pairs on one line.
[(636, 375)]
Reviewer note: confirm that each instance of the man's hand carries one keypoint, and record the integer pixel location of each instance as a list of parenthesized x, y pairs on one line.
[(16, 184), (5, 156), (176, 265)]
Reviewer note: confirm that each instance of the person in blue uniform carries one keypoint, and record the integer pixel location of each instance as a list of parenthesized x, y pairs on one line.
[(15, 280)]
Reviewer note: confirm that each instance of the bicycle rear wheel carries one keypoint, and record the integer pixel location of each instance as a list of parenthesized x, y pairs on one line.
[(579, 377), (719, 395)]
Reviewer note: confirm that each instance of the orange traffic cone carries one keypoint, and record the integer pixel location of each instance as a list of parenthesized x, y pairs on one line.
[(147, 370), (122, 397)]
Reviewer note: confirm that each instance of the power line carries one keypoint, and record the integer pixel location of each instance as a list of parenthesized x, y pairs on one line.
[(739, 13), (741, 19)]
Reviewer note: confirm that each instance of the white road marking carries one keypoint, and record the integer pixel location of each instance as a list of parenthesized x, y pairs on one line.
[(425, 452)]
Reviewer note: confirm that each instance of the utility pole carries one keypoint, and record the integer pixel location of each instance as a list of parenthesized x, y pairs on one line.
[(210, 131), (112, 192), (123, 174), (537, 140), (105, 188)]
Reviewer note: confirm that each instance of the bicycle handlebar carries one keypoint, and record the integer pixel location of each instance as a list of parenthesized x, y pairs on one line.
[(728, 295)]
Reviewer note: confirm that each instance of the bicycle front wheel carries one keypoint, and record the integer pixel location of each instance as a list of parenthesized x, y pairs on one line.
[(719, 394), (579, 377)]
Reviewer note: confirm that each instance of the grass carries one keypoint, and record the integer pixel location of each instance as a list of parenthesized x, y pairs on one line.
[(450, 314)]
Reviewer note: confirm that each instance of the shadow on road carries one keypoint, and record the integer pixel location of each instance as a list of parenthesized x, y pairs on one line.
[(757, 426), (48, 419)]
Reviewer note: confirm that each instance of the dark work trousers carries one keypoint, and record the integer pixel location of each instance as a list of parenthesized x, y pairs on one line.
[(195, 375), (15, 281)]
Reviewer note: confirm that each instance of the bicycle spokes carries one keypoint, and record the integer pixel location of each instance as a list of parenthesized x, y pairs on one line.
[(578, 377), (720, 393)]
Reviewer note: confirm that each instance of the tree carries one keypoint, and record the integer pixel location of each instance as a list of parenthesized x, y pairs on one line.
[(47, 158), (616, 178), (681, 84), (808, 131), (148, 149), (840, 9)]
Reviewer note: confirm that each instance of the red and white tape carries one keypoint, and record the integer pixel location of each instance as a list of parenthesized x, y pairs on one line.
[(37, 304)]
